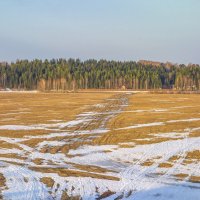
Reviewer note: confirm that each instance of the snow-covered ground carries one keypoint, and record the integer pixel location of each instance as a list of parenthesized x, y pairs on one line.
[(131, 177)]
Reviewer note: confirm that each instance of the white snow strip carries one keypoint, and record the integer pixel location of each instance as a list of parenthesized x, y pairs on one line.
[(45, 126), (99, 106), (184, 120), (19, 127), (11, 151), (50, 144), (171, 135), (142, 125)]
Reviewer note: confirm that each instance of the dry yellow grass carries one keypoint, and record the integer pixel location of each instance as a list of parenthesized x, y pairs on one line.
[(2, 180), (193, 155), (195, 179), (47, 181), (177, 107), (42, 108), (7, 145), (22, 133), (39, 108), (152, 108), (74, 173)]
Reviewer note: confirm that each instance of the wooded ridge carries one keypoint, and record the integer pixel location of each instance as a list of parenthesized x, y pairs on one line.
[(72, 74)]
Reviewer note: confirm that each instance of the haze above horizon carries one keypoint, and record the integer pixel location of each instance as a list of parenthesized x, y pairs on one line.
[(108, 29)]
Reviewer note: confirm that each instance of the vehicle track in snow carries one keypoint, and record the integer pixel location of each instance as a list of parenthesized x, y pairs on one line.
[(23, 183), (134, 176)]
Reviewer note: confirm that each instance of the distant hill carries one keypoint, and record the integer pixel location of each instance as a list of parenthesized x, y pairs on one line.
[(148, 62), (156, 63)]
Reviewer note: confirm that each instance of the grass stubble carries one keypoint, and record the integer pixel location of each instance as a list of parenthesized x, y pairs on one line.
[(43, 108)]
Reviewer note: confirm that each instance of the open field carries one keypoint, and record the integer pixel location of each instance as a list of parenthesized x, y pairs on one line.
[(99, 146)]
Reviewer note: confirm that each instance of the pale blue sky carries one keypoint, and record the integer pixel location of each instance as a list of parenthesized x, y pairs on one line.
[(162, 30)]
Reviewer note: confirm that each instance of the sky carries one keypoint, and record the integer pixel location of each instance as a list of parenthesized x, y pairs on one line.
[(158, 30)]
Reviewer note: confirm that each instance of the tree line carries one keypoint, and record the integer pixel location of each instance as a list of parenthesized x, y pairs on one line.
[(72, 74)]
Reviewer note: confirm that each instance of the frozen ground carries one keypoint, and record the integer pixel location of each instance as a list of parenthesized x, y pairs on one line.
[(135, 171)]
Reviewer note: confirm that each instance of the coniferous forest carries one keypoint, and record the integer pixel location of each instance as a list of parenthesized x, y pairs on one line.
[(61, 74)]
